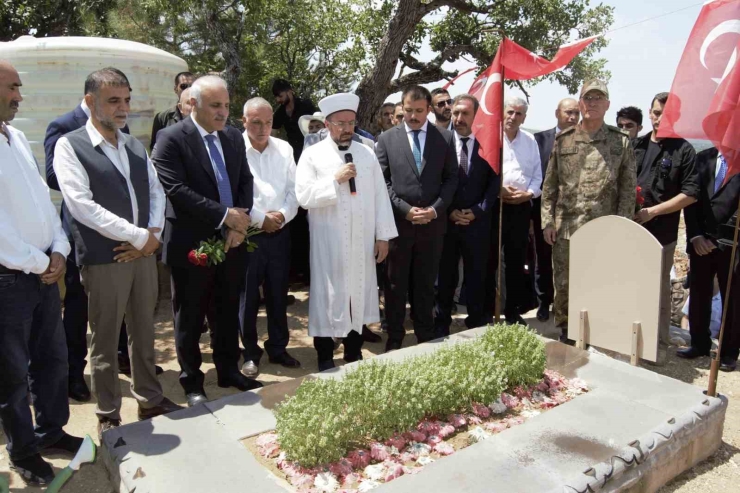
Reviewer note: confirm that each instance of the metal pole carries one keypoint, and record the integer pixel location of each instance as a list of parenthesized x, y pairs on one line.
[(500, 190), (714, 368)]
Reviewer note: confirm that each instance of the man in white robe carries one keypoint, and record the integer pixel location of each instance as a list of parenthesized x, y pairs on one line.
[(349, 232)]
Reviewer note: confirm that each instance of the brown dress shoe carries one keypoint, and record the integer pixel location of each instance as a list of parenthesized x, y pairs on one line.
[(164, 407)]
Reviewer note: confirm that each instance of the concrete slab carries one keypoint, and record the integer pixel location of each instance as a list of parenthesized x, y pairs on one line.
[(634, 431)]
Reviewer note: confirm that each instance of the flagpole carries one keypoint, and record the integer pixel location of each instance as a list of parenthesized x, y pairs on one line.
[(714, 368), (500, 190)]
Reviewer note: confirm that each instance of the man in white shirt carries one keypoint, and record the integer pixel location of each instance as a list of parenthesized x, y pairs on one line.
[(522, 175), (33, 352), (117, 208), (273, 168)]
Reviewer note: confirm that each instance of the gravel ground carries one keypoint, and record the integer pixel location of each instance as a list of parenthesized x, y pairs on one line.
[(720, 473)]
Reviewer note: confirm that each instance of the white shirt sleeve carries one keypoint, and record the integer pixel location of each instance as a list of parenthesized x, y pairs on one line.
[(289, 209), (535, 182), (75, 186), (157, 200)]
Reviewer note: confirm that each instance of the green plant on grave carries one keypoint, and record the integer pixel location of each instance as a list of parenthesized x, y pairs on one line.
[(328, 418)]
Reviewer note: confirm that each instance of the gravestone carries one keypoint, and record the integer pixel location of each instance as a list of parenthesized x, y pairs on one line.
[(615, 276)]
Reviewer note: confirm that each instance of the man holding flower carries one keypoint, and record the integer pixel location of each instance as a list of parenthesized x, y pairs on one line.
[(202, 165)]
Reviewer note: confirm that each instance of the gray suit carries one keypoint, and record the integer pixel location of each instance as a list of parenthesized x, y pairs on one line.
[(417, 247)]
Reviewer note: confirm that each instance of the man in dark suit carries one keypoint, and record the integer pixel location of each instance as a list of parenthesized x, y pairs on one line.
[(710, 229), (420, 168), (203, 167), (172, 115), (567, 115), (75, 299), (469, 226)]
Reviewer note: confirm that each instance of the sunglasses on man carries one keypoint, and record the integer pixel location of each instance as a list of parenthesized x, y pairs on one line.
[(442, 104)]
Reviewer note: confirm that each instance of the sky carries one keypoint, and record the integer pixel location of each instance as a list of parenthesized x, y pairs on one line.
[(642, 60)]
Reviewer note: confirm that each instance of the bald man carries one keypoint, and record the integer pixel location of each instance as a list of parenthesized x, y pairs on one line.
[(567, 115)]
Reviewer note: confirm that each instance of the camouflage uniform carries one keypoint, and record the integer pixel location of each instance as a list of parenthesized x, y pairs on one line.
[(586, 178)]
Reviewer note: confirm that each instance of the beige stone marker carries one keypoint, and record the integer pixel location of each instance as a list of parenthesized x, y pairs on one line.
[(615, 275)]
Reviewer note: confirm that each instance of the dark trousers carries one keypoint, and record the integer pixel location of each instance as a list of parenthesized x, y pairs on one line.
[(471, 243), (75, 321), (352, 347), (543, 270), (269, 263), (515, 230), (192, 290), (33, 354), (421, 251), (299, 255), (703, 270)]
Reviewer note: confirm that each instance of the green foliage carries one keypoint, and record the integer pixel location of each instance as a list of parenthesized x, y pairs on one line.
[(327, 418), (520, 351), (43, 18)]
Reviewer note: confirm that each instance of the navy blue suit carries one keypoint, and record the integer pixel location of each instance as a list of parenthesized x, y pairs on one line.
[(75, 299), (477, 190), (543, 273)]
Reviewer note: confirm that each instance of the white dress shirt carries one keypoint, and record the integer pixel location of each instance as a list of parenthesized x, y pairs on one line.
[(522, 167), (202, 131), (274, 180), (459, 144), (422, 136), (75, 186), (85, 108), (29, 222)]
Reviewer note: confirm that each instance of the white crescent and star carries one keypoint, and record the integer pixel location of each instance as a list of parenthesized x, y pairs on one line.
[(494, 78), (726, 27)]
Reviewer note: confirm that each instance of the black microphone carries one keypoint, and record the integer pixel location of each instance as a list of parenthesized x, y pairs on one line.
[(347, 160)]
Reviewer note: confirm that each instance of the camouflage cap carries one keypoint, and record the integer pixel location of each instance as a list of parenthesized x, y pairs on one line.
[(595, 85)]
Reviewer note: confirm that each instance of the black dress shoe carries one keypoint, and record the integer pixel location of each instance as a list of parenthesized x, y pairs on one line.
[(238, 381), (727, 364), (124, 365), (164, 407), (285, 360), (370, 336), (392, 345), (250, 369), (68, 444), (158, 369), (290, 300), (352, 359), (78, 390), (691, 352), (33, 470), (543, 313), (326, 365), (516, 320), (196, 398)]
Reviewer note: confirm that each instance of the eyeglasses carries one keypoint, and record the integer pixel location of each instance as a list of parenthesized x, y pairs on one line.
[(442, 104), (184, 86), (590, 99), (343, 124)]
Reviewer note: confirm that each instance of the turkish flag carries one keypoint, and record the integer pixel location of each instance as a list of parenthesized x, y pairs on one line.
[(522, 64), (488, 90), (705, 95), (452, 82)]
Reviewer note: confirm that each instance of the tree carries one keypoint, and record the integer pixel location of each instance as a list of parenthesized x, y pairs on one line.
[(472, 29), (42, 18)]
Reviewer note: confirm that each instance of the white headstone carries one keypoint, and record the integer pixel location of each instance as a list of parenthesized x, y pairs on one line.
[(615, 275)]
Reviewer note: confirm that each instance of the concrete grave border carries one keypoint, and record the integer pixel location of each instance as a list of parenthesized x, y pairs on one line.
[(634, 431)]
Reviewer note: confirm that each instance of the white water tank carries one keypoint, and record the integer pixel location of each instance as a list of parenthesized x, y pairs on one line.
[(53, 72)]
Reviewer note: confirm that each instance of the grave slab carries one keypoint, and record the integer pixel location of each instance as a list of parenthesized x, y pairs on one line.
[(634, 431)]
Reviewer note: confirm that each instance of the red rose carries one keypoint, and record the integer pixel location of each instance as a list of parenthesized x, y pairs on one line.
[(193, 258), (203, 259)]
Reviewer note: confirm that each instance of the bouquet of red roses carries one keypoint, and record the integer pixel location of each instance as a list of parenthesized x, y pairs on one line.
[(640, 200), (212, 252)]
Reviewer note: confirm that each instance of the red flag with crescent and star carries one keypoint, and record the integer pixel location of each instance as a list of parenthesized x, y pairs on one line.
[(518, 64), (704, 101)]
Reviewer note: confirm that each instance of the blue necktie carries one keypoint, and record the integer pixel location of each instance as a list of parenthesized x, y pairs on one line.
[(417, 150), (222, 178), (721, 174)]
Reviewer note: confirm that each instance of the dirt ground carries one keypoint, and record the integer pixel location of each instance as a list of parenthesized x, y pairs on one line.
[(718, 474)]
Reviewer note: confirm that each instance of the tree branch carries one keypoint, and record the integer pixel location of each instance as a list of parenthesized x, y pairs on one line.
[(521, 87), (461, 5), (425, 76)]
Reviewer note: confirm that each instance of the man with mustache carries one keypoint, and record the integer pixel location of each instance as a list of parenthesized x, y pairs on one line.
[(469, 227), (33, 353), (117, 208), (421, 172), (202, 164), (349, 231)]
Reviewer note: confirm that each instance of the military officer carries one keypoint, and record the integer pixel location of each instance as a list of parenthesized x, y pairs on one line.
[(591, 173)]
